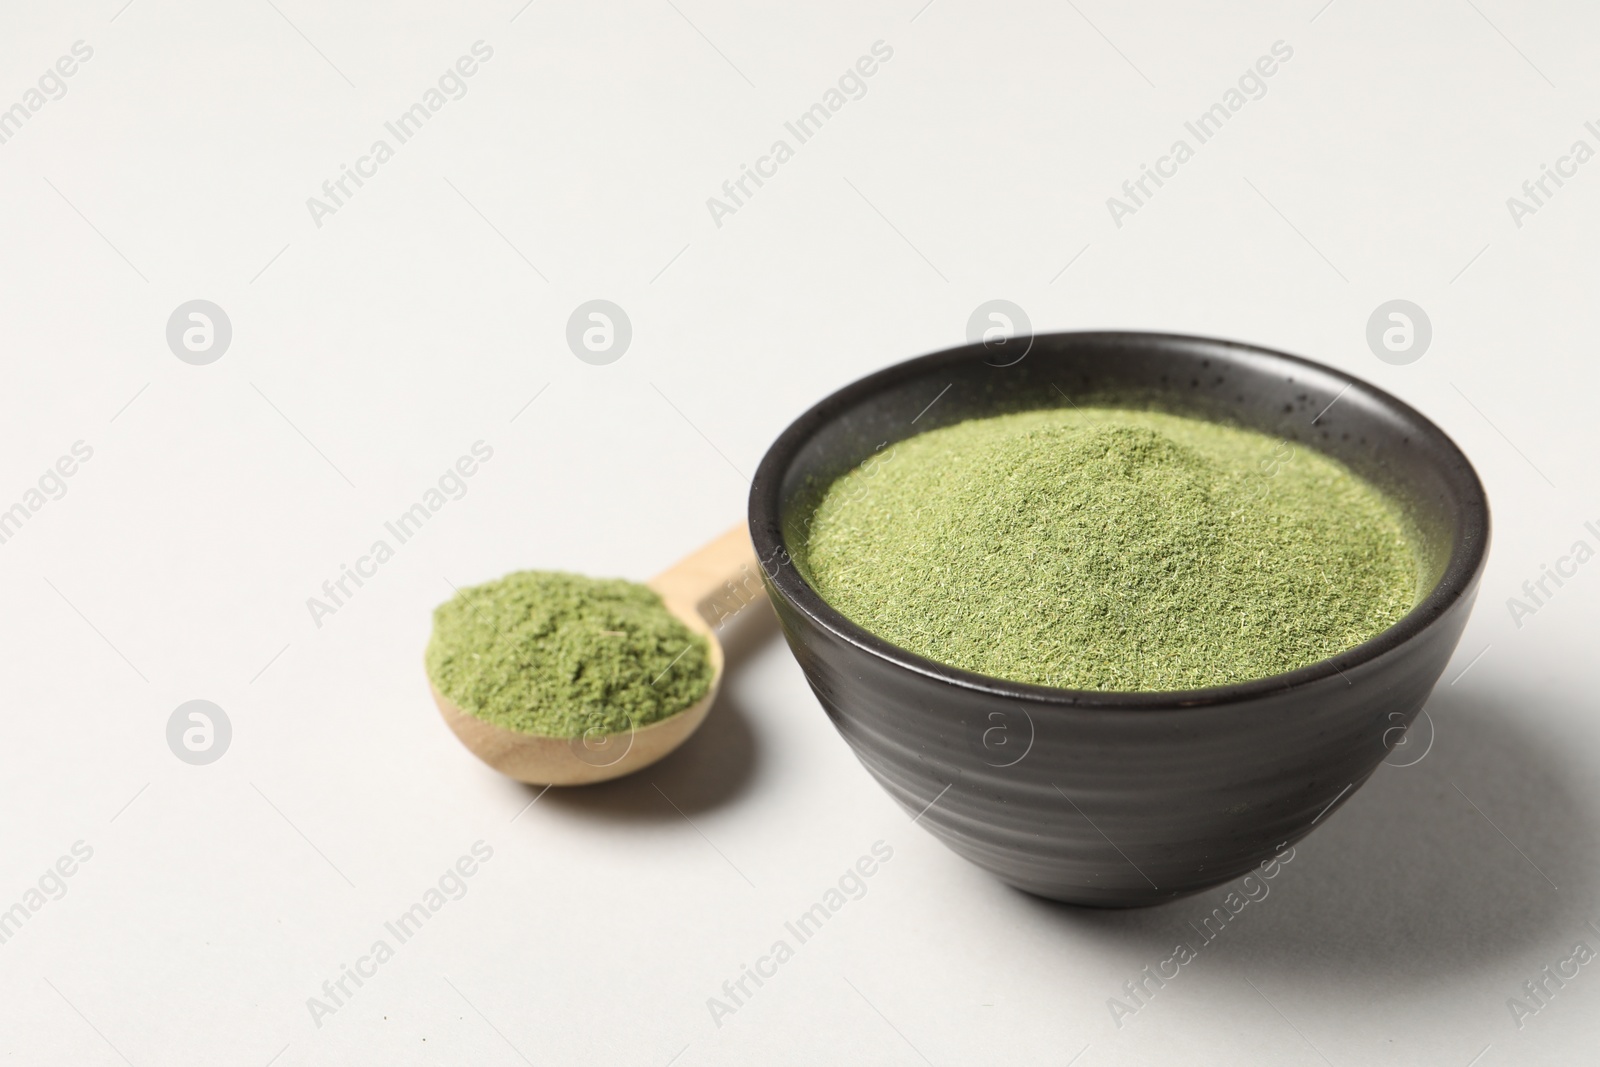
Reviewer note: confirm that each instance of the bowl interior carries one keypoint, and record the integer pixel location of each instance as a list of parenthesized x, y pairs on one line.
[(1379, 437)]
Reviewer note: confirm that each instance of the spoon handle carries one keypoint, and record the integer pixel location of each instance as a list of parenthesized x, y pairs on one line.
[(716, 581)]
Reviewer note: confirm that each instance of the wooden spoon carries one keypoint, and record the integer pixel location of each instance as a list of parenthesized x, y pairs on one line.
[(703, 589)]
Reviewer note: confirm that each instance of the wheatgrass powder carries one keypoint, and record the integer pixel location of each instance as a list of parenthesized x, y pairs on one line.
[(564, 655), (1110, 549)]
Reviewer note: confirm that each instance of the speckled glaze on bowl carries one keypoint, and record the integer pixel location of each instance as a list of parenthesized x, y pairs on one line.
[(1125, 799)]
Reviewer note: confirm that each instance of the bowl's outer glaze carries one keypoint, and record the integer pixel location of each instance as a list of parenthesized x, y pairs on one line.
[(1123, 799)]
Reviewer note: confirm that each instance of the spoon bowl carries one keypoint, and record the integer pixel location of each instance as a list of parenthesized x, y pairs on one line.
[(706, 587)]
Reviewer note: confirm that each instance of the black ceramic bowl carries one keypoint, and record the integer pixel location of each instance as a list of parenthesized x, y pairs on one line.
[(1122, 799)]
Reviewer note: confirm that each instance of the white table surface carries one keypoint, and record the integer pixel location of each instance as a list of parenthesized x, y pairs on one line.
[(371, 351)]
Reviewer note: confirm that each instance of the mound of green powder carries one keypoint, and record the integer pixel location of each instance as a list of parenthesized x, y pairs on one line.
[(561, 654), (1108, 549)]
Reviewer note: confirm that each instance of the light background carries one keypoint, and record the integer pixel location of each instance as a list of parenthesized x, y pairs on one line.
[(370, 352)]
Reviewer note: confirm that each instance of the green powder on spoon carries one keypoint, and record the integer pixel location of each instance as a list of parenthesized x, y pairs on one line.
[(564, 655), (1108, 549)]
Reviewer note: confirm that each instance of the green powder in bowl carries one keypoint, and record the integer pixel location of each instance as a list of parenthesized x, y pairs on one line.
[(564, 655), (1110, 549)]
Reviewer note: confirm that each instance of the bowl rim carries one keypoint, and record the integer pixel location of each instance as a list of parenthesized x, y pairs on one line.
[(1458, 579)]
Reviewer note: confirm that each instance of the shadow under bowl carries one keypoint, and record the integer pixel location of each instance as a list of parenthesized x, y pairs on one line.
[(1121, 799)]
